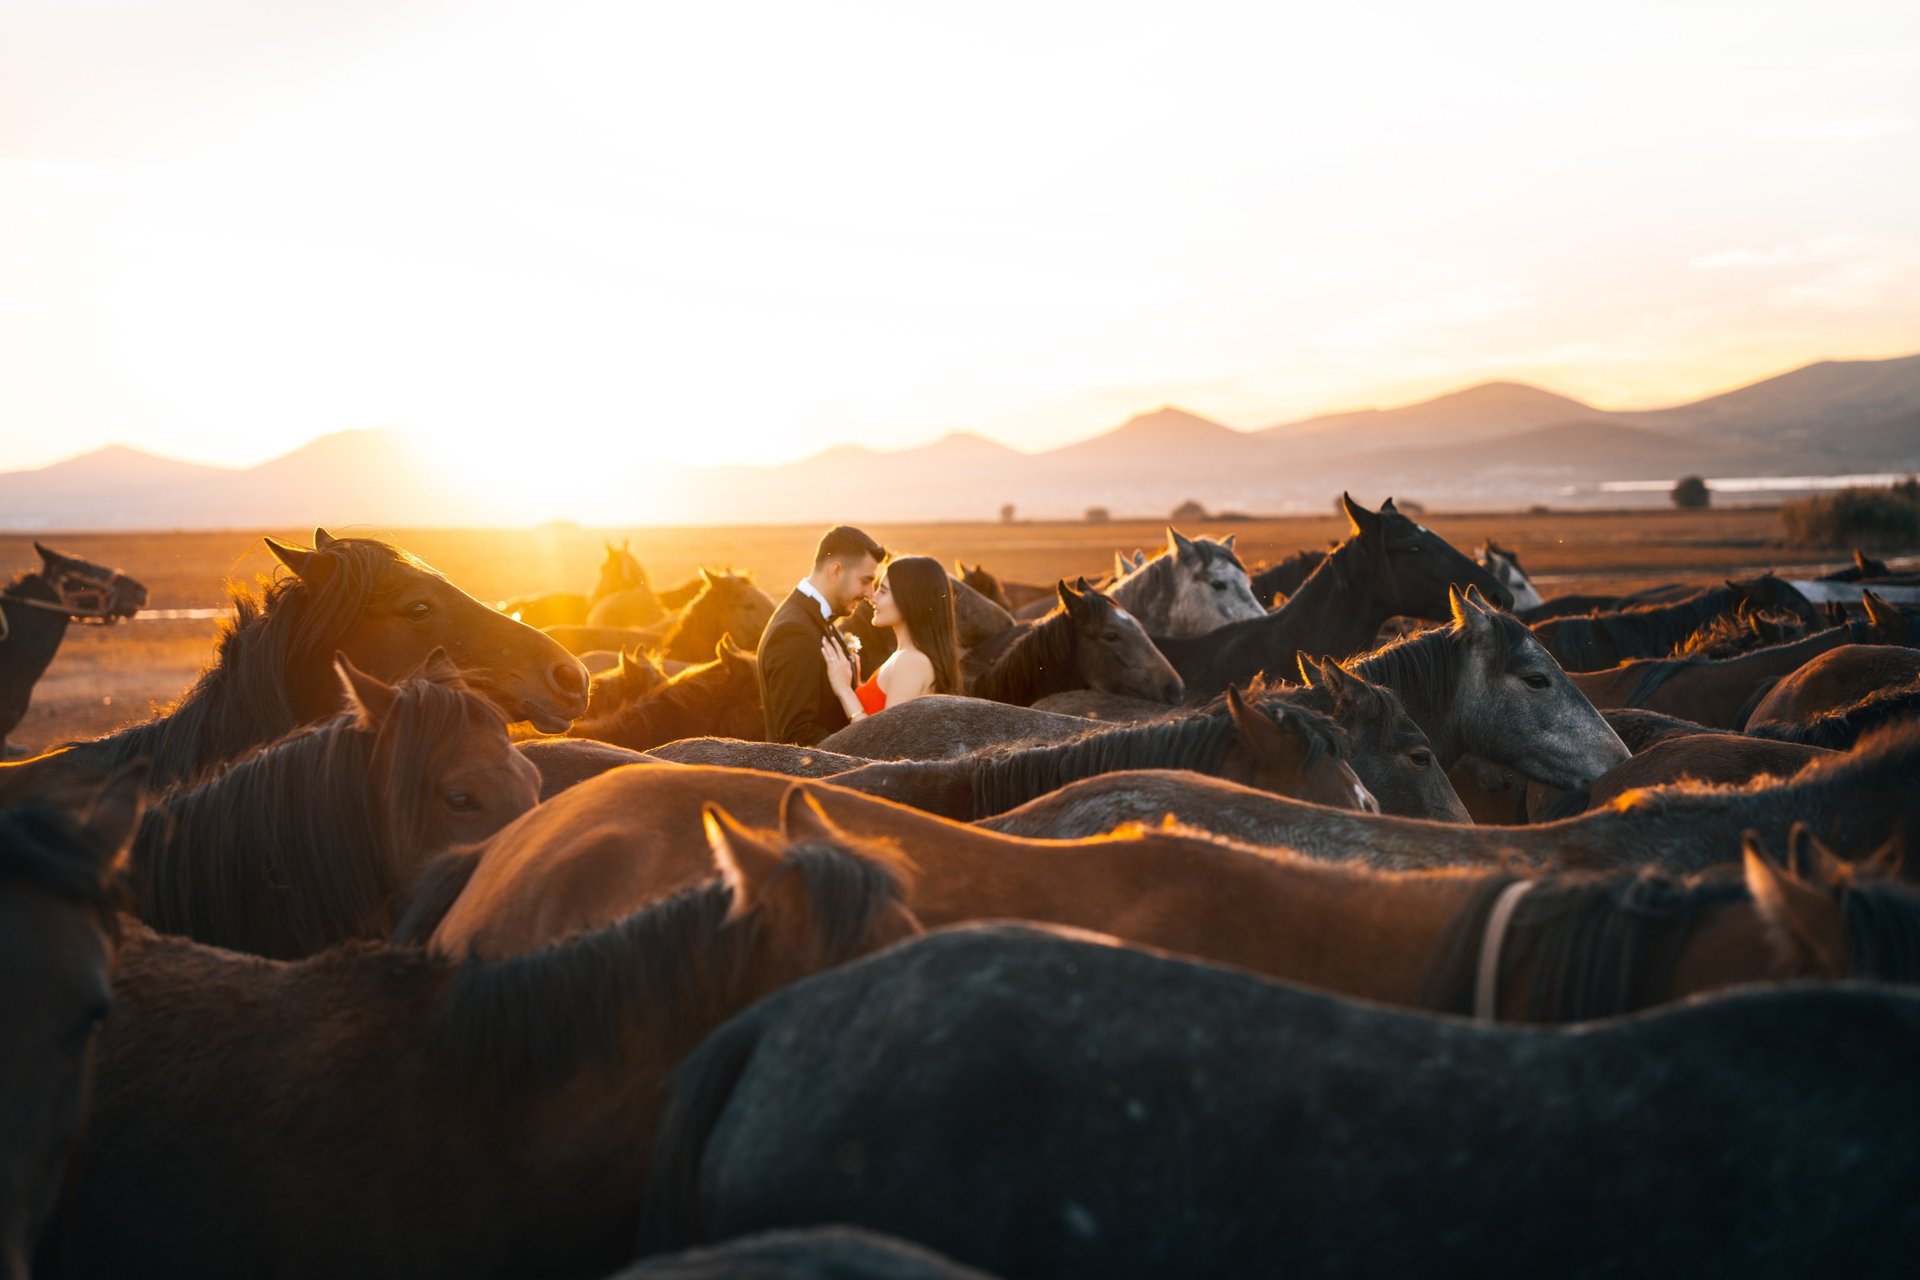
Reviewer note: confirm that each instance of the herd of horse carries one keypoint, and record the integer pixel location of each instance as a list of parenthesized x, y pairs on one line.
[(1362, 914)]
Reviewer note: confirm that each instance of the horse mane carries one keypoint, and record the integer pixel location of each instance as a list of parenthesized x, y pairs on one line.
[(1886, 758), (1041, 650), (1728, 635), (42, 845), (1840, 728), (435, 889), (1657, 627), (716, 592), (1006, 779), (243, 699), (1422, 668), (1593, 946), (296, 846), (534, 1017), (1658, 671), (1883, 929)]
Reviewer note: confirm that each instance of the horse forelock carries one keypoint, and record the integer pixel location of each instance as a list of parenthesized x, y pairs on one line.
[(533, 1018), (414, 741)]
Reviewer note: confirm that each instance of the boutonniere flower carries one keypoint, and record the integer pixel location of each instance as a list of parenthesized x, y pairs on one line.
[(852, 643)]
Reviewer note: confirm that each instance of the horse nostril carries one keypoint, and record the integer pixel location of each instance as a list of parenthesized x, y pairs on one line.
[(569, 678)]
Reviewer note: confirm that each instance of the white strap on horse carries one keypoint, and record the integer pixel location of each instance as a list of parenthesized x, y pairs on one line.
[(1486, 978)]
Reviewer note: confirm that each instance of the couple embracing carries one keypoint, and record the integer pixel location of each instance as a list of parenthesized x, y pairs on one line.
[(810, 678)]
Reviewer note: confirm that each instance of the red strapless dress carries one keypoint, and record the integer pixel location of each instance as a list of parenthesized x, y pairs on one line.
[(873, 699)]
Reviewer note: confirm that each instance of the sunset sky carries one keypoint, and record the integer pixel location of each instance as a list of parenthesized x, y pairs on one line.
[(732, 232)]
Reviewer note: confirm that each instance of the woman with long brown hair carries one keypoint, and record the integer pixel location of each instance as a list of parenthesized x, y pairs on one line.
[(914, 599)]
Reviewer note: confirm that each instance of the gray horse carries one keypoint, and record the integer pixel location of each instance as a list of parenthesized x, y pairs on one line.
[(1197, 584)]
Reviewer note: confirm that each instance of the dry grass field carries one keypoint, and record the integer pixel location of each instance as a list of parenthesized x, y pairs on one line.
[(107, 676)]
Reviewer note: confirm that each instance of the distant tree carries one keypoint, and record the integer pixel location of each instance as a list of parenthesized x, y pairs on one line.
[(1098, 515), (1691, 494), (1187, 512), (1006, 513)]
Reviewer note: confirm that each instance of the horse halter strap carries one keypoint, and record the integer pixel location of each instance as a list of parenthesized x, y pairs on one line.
[(1486, 978), (75, 596)]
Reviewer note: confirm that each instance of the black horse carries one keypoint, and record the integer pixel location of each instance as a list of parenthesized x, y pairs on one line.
[(1390, 566), (1041, 1104), (35, 609)]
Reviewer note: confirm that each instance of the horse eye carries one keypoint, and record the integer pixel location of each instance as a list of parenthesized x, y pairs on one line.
[(1219, 586), (419, 610), (1536, 681), (1422, 758), (460, 802), (1113, 637)]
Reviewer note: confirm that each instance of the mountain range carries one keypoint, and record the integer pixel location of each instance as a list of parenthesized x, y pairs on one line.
[(1491, 445)]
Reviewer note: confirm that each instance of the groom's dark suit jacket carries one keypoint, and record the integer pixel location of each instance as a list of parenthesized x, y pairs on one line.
[(798, 700)]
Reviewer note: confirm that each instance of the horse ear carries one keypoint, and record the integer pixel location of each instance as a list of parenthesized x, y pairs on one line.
[(440, 665), (1388, 509), (1880, 614), (47, 554), (744, 861), (1178, 544), (322, 539), (371, 696), (1228, 541), (1271, 741), (1308, 670), (298, 559), (1860, 562), (802, 818), (1070, 599), (114, 815), (1804, 924), (1362, 520), (706, 575), (1121, 565), (1479, 601), (1810, 859), (726, 650)]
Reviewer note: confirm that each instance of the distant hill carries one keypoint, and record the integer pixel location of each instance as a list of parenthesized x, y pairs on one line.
[(1495, 444)]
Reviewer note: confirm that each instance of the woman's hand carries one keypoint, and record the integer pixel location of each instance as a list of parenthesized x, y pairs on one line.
[(839, 669)]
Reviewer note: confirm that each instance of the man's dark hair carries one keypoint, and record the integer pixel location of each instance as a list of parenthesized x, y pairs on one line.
[(847, 543)]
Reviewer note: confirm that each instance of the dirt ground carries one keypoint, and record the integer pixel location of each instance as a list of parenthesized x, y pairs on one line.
[(107, 676)]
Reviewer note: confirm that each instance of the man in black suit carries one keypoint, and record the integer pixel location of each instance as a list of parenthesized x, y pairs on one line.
[(801, 707)]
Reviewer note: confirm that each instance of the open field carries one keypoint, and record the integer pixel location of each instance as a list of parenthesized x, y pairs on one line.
[(107, 676)]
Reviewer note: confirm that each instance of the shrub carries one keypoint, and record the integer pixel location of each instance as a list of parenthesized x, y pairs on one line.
[(1875, 518), (1690, 493), (1098, 515)]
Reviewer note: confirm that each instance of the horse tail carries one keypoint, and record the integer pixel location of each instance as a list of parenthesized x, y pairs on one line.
[(432, 895), (1753, 701), (700, 1090)]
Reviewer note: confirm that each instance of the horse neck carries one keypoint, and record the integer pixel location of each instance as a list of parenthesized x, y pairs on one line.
[(940, 787), (1782, 658), (1436, 711), (1038, 663), (1149, 593), (335, 1065), (1281, 917), (1340, 605), (32, 637)]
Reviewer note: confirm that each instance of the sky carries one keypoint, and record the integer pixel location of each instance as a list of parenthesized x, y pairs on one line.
[(561, 239)]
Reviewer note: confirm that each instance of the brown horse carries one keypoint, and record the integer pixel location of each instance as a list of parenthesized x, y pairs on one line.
[(631, 835), (306, 843), (634, 675), (57, 936), (728, 604), (1836, 680), (980, 579), (623, 596), (720, 698), (1596, 641), (1718, 694), (1272, 746), (618, 571), (379, 1111), (273, 671)]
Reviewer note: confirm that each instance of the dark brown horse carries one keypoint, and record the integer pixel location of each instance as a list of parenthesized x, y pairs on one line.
[(1597, 641), (308, 842), (35, 609), (57, 935), (728, 604), (978, 577), (1087, 642), (634, 675), (1043, 1105), (273, 670), (1273, 583), (1720, 694), (1838, 680), (1716, 759), (1390, 566), (377, 1111), (719, 698), (1276, 746)]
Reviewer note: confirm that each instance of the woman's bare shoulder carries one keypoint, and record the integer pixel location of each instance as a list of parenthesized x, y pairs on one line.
[(907, 673)]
